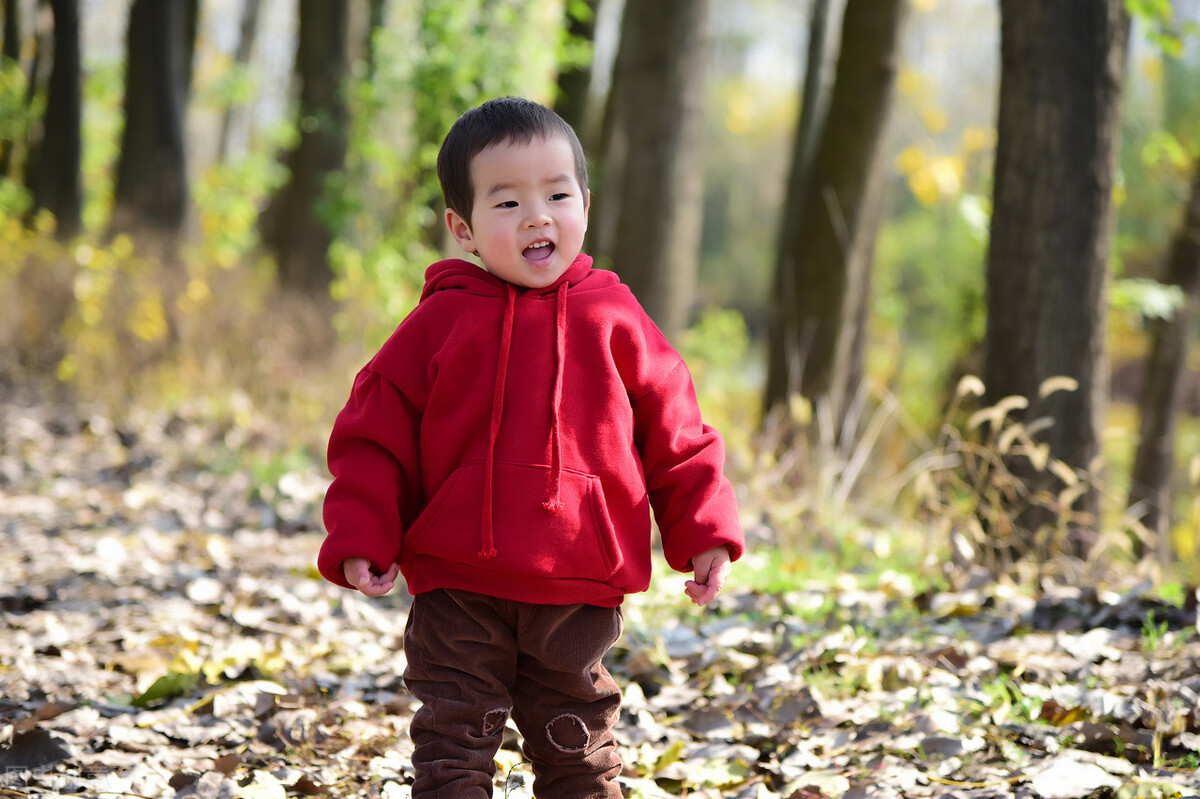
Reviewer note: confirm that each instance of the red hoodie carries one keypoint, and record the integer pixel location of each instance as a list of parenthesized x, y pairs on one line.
[(512, 442)]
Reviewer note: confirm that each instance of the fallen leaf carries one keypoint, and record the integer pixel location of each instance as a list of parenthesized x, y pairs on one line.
[(33, 749), (1067, 778), (167, 687)]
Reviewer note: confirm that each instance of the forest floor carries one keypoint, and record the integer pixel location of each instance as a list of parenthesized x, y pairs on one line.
[(163, 633)]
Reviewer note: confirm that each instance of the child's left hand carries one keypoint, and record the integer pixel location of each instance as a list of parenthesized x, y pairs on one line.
[(711, 570)]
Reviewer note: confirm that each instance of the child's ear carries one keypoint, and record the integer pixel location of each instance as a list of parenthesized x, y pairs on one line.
[(587, 207), (460, 230)]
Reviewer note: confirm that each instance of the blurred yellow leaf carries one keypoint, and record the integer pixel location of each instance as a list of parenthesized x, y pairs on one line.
[(935, 119), (739, 117), (45, 223), (924, 187), (1152, 68), (975, 139), (84, 255), (672, 754), (122, 246), (910, 81), (799, 409), (1060, 716), (148, 322), (67, 368), (910, 159)]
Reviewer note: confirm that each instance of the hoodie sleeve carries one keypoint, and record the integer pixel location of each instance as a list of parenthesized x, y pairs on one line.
[(373, 457), (683, 459)]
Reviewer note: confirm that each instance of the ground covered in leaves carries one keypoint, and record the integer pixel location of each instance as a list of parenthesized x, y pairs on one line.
[(163, 633)]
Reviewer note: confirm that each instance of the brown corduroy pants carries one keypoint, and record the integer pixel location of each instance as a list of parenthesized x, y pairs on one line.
[(474, 659)]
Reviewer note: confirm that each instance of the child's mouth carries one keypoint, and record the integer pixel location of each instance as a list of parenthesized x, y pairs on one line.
[(539, 251)]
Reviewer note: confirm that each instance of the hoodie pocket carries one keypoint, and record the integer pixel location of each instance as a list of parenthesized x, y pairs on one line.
[(577, 541)]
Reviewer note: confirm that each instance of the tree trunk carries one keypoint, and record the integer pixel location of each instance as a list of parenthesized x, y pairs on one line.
[(574, 81), (784, 357), (1062, 68), (191, 29), (376, 19), (55, 177), (1166, 367), (151, 194), (33, 82), (12, 30), (825, 253), (293, 226), (11, 51), (247, 29), (653, 179)]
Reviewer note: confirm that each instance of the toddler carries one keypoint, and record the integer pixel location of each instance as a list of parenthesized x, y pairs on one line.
[(503, 451)]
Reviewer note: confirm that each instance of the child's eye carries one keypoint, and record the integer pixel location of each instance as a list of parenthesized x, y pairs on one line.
[(562, 195), (508, 204)]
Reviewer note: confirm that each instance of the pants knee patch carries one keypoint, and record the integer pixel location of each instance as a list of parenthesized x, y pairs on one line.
[(568, 733), (493, 721)]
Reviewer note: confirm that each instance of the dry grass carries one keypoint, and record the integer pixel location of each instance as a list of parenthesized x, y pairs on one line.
[(117, 329)]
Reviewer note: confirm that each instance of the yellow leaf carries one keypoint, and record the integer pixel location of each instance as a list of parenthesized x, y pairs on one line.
[(84, 255), (1152, 68), (68, 367), (975, 139), (671, 754), (947, 172), (45, 223), (924, 187), (934, 119), (122, 246), (910, 81), (227, 256), (911, 159), (739, 118), (198, 291), (799, 409), (148, 322), (1060, 716)]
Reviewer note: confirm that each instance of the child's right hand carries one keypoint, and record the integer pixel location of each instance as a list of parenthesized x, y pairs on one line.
[(358, 573), (711, 571)]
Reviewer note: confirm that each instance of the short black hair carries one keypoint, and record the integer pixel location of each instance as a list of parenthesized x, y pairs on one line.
[(504, 119)]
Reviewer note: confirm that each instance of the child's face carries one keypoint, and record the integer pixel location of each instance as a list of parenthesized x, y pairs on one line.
[(530, 213)]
